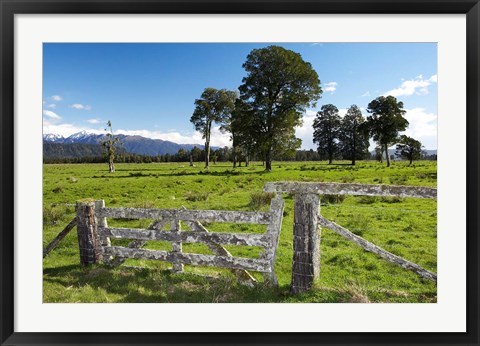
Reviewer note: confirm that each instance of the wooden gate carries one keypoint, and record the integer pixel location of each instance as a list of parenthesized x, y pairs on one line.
[(94, 237)]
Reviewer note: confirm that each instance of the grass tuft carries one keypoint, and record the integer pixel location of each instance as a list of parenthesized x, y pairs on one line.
[(260, 199)]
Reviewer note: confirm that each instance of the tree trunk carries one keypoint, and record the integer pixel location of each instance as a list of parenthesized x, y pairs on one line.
[(268, 162), (207, 152), (247, 161), (354, 151), (234, 158), (111, 166), (191, 161), (386, 154)]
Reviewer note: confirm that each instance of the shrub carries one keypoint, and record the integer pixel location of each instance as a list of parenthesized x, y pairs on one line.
[(401, 180), (347, 179), (394, 199), (260, 199), (53, 214), (194, 196)]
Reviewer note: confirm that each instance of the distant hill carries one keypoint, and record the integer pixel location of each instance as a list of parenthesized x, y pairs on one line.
[(52, 150), (131, 144)]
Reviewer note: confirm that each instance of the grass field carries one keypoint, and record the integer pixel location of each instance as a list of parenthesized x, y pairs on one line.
[(403, 226)]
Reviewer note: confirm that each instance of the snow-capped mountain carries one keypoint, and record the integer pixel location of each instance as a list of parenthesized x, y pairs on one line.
[(53, 138), (132, 144)]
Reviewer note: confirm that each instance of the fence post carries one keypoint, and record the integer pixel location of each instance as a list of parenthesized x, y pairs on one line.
[(88, 240), (306, 242), (104, 241)]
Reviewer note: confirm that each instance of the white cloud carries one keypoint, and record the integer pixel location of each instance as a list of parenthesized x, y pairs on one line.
[(56, 98), (422, 126), (305, 132), (81, 107), (366, 94), (330, 87), (52, 105), (93, 121), (218, 138), (66, 130), (417, 86), (51, 115)]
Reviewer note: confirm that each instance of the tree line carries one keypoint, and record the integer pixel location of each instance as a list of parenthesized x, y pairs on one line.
[(349, 137)]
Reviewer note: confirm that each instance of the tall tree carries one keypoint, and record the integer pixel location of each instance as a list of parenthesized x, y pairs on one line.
[(278, 87), (212, 106), (110, 146), (240, 124), (408, 148), (353, 139), (326, 127), (385, 121)]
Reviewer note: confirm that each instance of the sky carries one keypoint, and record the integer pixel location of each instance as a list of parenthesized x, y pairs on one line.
[(149, 89)]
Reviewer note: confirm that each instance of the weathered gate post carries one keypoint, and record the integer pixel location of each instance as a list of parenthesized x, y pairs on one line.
[(306, 242), (88, 240), (103, 241)]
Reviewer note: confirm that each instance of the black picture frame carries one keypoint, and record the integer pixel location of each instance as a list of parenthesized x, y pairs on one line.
[(8, 9)]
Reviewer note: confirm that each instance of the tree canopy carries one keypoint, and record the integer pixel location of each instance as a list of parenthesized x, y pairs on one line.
[(326, 127), (385, 121), (408, 148), (213, 106), (352, 135), (278, 87)]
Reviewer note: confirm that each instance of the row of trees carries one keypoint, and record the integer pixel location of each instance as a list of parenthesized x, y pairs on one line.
[(349, 137), (261, 118)]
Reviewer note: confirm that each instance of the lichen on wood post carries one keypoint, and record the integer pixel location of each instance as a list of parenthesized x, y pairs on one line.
[(104, 241), (176, 246), (273, 229), (88, 240), (306, 242)]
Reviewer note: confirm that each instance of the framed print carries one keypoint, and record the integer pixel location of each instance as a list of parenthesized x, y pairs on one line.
[(247, 172)]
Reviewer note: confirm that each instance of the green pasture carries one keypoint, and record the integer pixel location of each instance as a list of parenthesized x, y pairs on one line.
[(403, 226)]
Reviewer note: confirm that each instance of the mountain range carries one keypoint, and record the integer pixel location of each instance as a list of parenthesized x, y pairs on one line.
[(131, 144), (85, 144)]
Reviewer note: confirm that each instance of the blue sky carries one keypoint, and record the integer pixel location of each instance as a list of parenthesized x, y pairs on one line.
[(149, 89)]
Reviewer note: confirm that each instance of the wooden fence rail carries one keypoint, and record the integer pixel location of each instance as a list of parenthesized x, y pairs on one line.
[(95, 237), (308, 219), (53, 244)]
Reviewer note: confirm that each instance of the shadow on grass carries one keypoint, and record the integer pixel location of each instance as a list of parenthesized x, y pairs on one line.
[(99, 283), (140, 174), (138, 285)]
